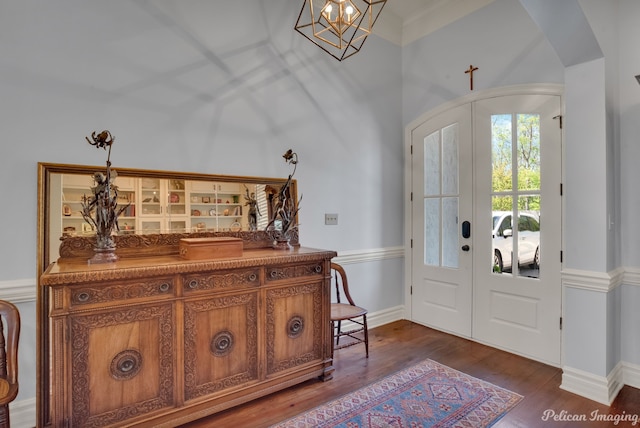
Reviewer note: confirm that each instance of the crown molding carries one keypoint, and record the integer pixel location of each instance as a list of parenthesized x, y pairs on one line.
[(435, 16)]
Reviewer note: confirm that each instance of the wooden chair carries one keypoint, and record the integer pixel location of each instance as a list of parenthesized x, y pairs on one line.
[(347, 312), (8, 359)]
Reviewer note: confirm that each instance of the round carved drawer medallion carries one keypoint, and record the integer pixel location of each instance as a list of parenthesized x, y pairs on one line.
[(126, 364), (295, 326), (222, 343)]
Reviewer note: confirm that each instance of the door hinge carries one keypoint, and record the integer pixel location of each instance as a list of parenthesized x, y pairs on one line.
[(561, 189), (412, 243), (411, 196), (411, 290), (411, 148), (560, 119), (560, 323), (561, 256)]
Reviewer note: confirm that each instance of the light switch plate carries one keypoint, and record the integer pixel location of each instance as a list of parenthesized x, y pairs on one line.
[(331, 219)]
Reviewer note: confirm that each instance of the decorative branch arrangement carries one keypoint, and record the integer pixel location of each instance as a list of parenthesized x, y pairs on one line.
[(100, 210), (282, 224)]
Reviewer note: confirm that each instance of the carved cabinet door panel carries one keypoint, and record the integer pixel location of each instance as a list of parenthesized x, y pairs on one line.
[(122, 363), (220, 343), (294, 325)]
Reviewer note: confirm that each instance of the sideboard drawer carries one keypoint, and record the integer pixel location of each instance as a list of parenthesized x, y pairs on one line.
[(120, 292), (282, 272), (221, 280)]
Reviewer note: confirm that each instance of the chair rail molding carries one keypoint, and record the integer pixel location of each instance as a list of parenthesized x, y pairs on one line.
[(369, 255), (19, 290), (632, 276), (593, 281)]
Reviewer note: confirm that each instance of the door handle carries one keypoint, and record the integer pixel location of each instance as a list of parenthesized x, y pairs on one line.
[(465, 248)]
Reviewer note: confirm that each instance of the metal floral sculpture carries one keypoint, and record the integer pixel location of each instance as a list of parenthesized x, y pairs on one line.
[(100, 209), (282, 225), (254, 209)]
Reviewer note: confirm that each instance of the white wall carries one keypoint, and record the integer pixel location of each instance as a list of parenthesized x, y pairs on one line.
[(585, 168), (214, 87)]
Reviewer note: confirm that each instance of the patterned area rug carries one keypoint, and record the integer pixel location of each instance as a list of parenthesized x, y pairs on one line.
[(425, 395)]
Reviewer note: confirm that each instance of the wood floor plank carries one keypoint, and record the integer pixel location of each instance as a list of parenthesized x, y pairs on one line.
[(398, 345)]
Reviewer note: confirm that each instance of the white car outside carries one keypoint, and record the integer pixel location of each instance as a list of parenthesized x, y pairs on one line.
[(528, 240)]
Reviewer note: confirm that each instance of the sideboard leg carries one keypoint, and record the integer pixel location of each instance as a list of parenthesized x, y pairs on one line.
[(327, 374)]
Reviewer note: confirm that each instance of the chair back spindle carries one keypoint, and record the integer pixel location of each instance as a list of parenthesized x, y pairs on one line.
[(9, 317)]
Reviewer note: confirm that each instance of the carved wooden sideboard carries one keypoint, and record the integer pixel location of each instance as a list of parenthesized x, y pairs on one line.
[(160, 341)]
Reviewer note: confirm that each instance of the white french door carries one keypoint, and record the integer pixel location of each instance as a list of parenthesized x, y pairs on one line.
[(442, 186), (496, 164), (518, 155)]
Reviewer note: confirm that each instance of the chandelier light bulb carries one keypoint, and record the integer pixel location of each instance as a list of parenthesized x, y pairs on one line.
[(327, 11), (349, 12)]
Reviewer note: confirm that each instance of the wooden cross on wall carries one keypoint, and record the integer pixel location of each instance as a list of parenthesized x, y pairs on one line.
[(470, 72)]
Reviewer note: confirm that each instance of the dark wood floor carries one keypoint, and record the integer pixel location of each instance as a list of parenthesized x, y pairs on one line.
[(402, 344)]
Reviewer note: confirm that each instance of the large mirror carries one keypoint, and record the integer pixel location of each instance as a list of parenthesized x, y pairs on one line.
[(153, 202)]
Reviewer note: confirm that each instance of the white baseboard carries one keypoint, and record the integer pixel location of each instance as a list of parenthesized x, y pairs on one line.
[(597, 388), (23, 413), (631, 374)]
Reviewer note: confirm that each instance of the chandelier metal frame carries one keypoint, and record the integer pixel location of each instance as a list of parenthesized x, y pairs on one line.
[(339, 27)]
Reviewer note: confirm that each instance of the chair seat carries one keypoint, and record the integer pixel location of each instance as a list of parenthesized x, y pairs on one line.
[(343, 311), (4, 388)]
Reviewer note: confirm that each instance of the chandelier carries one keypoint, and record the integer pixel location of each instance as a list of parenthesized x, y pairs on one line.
[(339, 27)]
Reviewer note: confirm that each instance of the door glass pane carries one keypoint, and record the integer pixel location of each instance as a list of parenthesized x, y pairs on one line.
[(528, 152), (177, 197), (450, 160), (501, 152), (151, 227), (529, 235), (150, 199), (178, 226), (516, 244), (432, 231), (502, 247), (450, 232), (432, 164), (528, 160)]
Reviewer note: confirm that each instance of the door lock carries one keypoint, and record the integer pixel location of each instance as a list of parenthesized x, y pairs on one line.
[(465, 248), (466, 229)]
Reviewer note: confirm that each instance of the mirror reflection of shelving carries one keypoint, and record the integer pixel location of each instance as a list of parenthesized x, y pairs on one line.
[(127, 217), (162, 206), (215, 207), (155, 205)]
